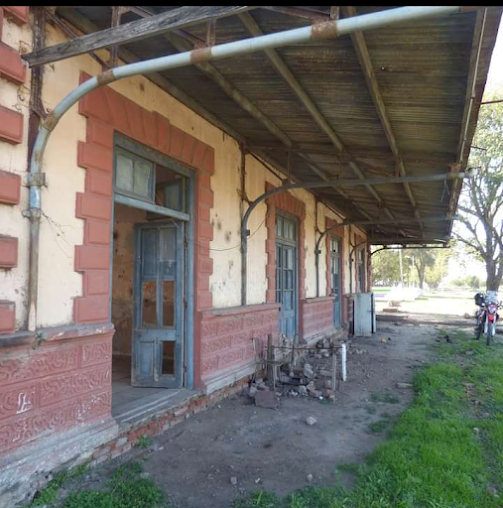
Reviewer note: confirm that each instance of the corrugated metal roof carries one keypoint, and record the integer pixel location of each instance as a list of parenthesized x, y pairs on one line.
[(422, 70)]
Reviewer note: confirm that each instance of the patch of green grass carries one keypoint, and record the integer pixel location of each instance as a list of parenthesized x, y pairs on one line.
[(260, 499), (379, 426), (49, 494), (446, 449), (144, 442), (125, 489), (349, 468)]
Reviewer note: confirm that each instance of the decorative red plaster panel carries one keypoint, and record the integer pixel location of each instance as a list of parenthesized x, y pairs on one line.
[(53, 388), (10, 188), (23, 429), (68, 386), (33, 364), (8, 251), (11, 126), (96, 352), (226, 335), (318, 316), (11, 65), (17, 13), (7, 318), (17, 400)]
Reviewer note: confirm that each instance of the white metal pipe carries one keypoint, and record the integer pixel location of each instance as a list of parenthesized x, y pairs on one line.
[(325, 30), (343, 362)]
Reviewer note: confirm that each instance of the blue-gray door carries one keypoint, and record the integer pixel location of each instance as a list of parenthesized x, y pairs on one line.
[(286, 274), (159, 295), (335, 278)]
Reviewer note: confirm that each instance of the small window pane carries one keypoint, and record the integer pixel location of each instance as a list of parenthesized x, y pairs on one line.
[(149, 253), (174, 195), (142, 175), (168, 358), (149, 304), (279, 228), (168, 252), (168, 306), (124, 176)]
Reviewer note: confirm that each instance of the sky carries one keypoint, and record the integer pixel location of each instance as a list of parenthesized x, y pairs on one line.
[(494, 79), (495, 76)]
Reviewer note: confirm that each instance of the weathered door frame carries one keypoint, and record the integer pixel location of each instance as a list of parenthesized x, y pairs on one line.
[(159, 334), (295, 246), (189, 242), (336, 319)]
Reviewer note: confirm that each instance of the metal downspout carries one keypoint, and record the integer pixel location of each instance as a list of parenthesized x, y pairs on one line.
[(325, 30)]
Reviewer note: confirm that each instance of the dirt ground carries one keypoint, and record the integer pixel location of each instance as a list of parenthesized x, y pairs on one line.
[(236, 448)]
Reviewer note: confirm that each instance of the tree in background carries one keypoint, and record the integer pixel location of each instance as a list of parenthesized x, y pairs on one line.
[(422, 259), (419, 265), (480, 209)]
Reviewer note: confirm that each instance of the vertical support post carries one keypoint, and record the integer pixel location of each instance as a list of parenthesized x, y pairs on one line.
[(271, 378), (343, 362), (334, 368)]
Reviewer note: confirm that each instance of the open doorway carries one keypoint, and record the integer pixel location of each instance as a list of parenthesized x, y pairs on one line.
[(148, 277)]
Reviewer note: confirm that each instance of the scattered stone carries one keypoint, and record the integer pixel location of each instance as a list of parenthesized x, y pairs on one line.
[(470, 352), (258, 480), (311, 420), (302, 390), (234, 480), (308, 371), (404, 386), (309, 477), (266, 399), (145, 475)]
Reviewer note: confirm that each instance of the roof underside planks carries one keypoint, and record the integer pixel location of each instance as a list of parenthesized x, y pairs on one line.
[(422, 71)]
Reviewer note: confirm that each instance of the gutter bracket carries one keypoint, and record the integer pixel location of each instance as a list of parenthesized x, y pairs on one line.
[(34, 214), (35, 180)]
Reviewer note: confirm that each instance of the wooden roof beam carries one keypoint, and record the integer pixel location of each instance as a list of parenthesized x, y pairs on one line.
[(283, 70), (362, 52), (237, 96), (149, 26)]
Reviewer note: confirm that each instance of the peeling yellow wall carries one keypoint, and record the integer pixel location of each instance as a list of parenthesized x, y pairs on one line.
[(13, 158), (61, 231)]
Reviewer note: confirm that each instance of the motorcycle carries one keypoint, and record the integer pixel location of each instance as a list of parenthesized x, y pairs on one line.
[(487, 316)]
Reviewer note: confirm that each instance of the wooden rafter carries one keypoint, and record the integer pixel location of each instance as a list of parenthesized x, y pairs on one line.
[(362, 52), (84, 25), (148, 26), (304, 98)]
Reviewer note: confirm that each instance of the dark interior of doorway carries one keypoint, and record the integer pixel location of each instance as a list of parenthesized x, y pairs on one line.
[(123, 265)]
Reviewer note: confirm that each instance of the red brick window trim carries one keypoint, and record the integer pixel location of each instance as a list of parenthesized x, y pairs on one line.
[(108, 111), (285, 202)]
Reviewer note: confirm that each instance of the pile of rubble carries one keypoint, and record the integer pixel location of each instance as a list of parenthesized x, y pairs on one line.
[(305, 372)]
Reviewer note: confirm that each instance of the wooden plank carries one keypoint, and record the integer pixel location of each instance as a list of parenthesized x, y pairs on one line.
[(362, 52), (133, 31), (283, 70)]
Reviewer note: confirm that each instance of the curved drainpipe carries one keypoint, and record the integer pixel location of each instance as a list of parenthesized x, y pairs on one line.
[(325, 30)]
